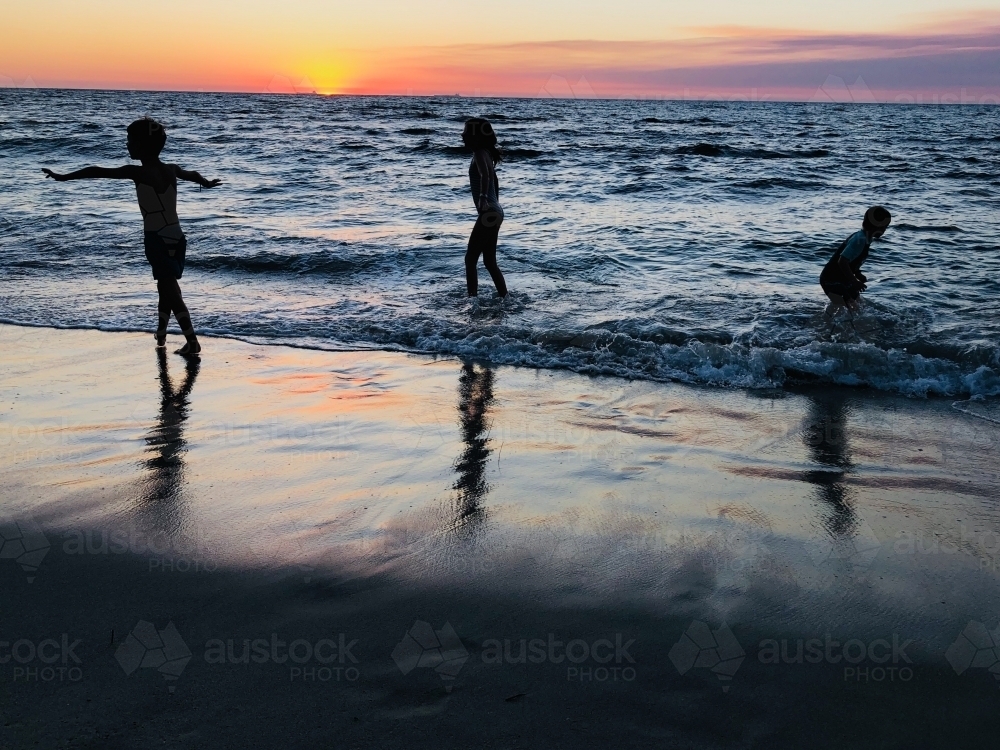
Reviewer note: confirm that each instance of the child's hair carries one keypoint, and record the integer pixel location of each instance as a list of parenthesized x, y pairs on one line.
[(478, 134), (876, 217), (148, 136)]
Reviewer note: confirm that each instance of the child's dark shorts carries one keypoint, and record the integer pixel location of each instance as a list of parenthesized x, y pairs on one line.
[(165, 256), (849, 292)]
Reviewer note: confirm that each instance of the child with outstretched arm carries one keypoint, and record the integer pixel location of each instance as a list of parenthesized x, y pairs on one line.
[(156, 190)]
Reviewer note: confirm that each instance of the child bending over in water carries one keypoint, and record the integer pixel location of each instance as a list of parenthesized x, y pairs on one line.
[(156, 190), (842, 279)]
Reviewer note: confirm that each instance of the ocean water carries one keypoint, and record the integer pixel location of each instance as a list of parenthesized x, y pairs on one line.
[(656, 240)]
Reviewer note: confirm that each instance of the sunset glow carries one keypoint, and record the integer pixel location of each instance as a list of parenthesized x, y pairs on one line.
[(721, 49)]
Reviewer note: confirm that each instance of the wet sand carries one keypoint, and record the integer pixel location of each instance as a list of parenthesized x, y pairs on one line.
[(284, 547)]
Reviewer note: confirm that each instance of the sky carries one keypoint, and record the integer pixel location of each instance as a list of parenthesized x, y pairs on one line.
[(855, 50)]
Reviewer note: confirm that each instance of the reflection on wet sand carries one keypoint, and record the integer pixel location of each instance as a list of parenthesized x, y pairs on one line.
[(166, 447), (475, 389), (826, 438)]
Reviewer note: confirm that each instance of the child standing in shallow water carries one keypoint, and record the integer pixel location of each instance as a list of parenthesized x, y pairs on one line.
[(156, 190), (480, 139)]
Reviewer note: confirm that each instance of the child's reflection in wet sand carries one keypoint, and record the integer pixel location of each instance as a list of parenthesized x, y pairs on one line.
[(475, 388), (166, 446), (826, 437)]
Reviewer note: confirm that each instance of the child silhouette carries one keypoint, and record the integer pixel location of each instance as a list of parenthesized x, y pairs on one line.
[(842, 279), (156, 190)]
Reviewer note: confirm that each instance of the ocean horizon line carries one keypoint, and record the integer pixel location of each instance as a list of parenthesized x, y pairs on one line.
[(922, 99)]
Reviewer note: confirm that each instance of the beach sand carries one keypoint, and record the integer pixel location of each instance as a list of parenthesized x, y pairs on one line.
[(279, 547)]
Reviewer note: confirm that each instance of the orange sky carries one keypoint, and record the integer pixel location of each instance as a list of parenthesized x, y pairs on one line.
[(386, 46)]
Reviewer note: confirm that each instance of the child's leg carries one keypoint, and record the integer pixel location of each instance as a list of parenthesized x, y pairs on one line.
[(475, 249), (183, 317), (490, 261), (836, 302), (163, 310)]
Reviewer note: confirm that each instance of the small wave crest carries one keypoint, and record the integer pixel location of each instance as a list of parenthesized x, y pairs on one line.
[(731, 365), (767, 183), (713, 150), (320, 263), (934, 229), (509, 154), (676, 356)]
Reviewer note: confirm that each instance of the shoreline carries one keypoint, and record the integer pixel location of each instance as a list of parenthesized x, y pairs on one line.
[(269, 492), (800, 383)]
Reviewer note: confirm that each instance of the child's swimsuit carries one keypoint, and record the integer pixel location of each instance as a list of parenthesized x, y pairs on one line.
[(493, 215), (165, 242), (855, 251)]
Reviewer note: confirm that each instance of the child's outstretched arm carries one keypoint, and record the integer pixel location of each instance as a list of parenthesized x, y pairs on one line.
[(183, 174), (128, 172)]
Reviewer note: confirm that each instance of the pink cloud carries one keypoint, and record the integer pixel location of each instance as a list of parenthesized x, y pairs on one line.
[(726, 63)]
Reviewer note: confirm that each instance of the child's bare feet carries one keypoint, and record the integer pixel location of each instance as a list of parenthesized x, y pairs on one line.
[(190, 349), (161, 326)]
